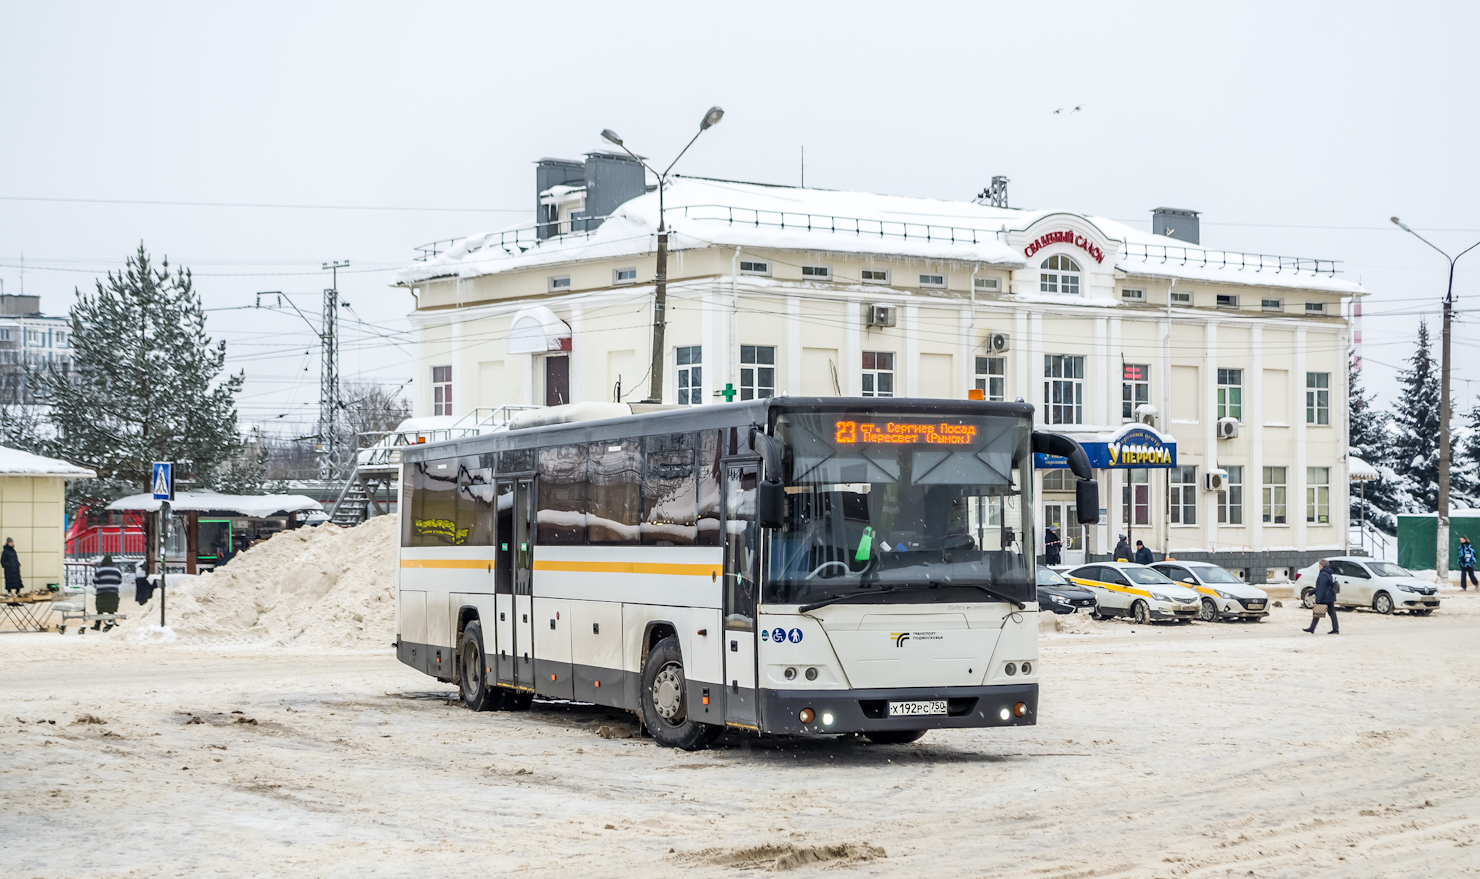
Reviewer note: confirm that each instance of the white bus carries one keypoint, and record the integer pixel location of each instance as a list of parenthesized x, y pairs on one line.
[(803, 566)]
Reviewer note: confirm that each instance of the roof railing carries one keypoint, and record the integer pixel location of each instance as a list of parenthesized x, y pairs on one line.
[(513, 241), (859, 226), (1227, 259)]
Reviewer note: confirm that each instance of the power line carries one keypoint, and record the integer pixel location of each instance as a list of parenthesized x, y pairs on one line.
[(253, 204)]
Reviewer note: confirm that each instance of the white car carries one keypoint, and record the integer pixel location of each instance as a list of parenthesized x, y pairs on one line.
[(1124, 589), (1224, 596), (1363, 582)]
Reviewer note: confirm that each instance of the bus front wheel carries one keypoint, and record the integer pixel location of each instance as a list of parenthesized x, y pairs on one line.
[(665, 700), (473, 672)]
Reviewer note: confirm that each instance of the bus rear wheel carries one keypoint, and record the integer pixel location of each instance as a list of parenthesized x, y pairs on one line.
[(664, 700), (472, 672), (895, 736)]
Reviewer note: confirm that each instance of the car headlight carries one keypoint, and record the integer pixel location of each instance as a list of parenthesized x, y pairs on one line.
[(1059, 599), (1406, 588), (1156, 596)]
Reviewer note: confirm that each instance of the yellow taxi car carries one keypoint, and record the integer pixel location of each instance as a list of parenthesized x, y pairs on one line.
[(1124, 589)]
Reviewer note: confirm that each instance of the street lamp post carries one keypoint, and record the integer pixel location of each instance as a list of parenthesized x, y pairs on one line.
[(1441, 560), (660, 278)]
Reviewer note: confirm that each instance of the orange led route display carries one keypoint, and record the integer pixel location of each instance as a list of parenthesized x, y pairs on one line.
[(901, 433)]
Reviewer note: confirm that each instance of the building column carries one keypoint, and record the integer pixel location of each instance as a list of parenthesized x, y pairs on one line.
[(460, 384), (1101, 404), (911, 351), (1021, 378), (1034, 377), (577, 355), (1295, 501), (712, 366), (1208, 500), (967, 371), (851, 377), (793, 346), (1254, 470)]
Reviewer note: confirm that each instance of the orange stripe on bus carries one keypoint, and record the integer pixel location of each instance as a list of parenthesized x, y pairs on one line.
[(446, 563), (628, 568)]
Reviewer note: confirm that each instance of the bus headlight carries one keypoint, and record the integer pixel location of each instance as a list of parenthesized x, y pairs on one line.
[(807, 715), (827, 719)]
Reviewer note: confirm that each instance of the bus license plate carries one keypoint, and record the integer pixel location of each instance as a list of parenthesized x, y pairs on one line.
[(902, 709)]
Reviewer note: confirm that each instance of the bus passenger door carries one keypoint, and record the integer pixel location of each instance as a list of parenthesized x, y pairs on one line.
[(524, 526), (502, 646), (742, 584)]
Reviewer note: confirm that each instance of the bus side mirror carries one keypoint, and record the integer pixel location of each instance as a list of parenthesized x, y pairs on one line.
[(770, 504), (1087, 501)]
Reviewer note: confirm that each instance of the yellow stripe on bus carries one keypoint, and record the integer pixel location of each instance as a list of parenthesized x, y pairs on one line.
[(446, 563), (627, 568)]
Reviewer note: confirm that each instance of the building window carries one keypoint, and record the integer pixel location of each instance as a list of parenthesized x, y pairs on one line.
[(1181, 298), (1135, 389), (624, 276), (1318, 398), (1182, 505), (1130, 295), (1272, 304), (560, 283), (757, 372), (441, 390), (1274, 495), (1227, 300), (932, 280), (754, 267), (1318, 495), (1231, 498), (1060, 275), (690, 374), (1057, 480), (821, 273), (988, 285), (875, 276), (991, 377), (1135, 497), (1315, 308), (1231, 393), (4, 335), (878, 373), (1063, 388)]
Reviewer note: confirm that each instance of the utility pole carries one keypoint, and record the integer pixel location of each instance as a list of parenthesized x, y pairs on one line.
[(1441, 551), (660, 277), (331, 460)]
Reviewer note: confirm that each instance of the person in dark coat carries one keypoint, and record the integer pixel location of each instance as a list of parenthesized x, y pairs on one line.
[(106, 580), (1467, 563), (143, 586), (1051, 546), (1143, 555), (11, 562), (1122, 550), (1325, 598)]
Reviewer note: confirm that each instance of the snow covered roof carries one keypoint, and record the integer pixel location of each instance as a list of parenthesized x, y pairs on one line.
[(704, 213), (1360, 471), (255, 505), (14, 462)]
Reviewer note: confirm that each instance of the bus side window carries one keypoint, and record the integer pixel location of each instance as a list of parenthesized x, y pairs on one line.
[(709, 488), (475, 502), (669, 491), (615, 493), (561, 513), (433, 511)]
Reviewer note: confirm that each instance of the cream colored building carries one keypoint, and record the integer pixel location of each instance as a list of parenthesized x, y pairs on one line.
[(1241, 359), (33, 493)]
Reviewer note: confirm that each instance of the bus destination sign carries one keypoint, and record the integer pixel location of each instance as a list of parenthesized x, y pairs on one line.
[(903, 433)]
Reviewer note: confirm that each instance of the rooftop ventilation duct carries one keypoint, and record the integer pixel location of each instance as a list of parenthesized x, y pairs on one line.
[(1178, 223)]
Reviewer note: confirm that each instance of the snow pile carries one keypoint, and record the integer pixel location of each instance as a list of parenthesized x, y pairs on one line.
[(311, 587)]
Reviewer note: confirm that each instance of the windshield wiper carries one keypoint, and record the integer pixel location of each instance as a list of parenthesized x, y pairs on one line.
[(833, 599), (933, 584), (1000, 596)]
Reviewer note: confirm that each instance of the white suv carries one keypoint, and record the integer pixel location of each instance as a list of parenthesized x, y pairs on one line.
[(1382, 586)]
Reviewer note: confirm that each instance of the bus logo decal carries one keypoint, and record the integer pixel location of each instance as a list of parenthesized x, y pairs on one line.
[(899, 638), (765, 634)]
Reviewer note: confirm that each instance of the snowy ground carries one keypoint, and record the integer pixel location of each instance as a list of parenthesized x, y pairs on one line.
[(1204, 750)]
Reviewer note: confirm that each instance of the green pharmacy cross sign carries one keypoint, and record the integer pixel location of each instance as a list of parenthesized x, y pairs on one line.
[(729, 392)]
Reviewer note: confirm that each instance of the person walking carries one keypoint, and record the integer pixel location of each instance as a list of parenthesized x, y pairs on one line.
[(1122, 550), (143, 586), (106, 580), (1466, 564), (11, 562), (1051, 547), (1143, 555), (1325, 599)]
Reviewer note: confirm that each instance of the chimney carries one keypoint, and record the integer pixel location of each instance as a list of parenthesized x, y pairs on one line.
[(548, 173), (611, 180), (1178, 223)]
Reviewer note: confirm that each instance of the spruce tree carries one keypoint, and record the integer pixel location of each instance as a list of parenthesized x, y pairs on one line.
[(146, 385), (1415, 455), (1370, 438)]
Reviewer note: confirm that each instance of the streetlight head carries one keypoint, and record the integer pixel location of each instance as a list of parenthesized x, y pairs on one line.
[(712, 118), (610, 135), (1400, 224), (1395, 221)]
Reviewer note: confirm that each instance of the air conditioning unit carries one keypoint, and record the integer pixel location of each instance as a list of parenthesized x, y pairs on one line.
[(882, 315), (998, 343), (1214, 479), (1146, 414), (1227, 428)]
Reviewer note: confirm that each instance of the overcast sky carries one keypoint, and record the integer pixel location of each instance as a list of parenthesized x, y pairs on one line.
[(1296, 128)]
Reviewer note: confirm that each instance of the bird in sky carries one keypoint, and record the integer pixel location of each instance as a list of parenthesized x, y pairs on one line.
[(1077, 108), (1058, 111)]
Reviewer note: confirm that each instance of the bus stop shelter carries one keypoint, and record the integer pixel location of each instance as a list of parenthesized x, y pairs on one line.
[(208, 528)]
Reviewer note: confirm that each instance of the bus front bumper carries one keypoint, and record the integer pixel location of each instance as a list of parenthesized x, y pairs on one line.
[(854, 711)]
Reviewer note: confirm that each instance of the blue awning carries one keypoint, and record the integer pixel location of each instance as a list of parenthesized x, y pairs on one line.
[(1131, 447)]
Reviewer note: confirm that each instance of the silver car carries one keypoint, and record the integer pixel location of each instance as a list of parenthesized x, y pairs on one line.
[(1224, 596)]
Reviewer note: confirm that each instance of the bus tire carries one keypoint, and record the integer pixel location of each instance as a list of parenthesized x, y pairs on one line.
[(664, 700), (1140, 613), (472, 672), (895, 736)]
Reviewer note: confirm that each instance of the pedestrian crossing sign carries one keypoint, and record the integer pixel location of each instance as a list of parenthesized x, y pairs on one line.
[(162, 481)]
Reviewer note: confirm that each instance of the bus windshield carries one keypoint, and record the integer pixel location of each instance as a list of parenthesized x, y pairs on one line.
[(912, 508)]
